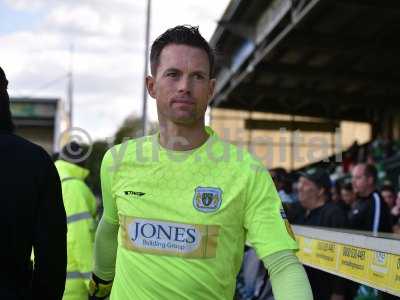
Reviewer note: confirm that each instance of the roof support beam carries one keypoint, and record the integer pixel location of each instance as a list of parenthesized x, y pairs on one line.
[(317, 41), (292, 125), (382, 81), (357, 115), (304, 97), (390, 5)]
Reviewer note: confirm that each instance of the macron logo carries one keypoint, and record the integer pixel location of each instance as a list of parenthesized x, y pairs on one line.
[(133, 193)]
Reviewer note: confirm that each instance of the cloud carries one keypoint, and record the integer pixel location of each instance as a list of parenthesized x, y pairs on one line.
[(30, 5), (108, 39), (89, 19), (80, 19)]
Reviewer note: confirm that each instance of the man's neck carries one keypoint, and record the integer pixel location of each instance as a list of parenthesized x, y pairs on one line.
[(367, 192), (182, 138)]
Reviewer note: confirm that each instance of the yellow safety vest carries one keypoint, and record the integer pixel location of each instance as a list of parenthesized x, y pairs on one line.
[(80, 206)]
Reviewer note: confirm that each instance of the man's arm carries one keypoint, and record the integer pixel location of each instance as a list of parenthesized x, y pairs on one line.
[(50, 236), (269, 232), (288, 277), (105, 250), (105, 253), (106, 240)]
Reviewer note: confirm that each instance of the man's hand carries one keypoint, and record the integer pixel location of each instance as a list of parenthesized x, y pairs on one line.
[(99, 289)]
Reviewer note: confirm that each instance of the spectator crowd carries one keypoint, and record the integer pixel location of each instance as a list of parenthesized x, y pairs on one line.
[(353, 194)]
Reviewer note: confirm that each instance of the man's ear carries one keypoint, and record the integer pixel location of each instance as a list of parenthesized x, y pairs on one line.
[(150, 85), (211, 88)]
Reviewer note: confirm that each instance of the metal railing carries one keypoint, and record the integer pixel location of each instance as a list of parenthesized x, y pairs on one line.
[(355, 255)]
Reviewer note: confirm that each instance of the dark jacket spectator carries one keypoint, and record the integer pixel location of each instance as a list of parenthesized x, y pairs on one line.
[(388, 195), (395, 212), (348, 197), (316, 210), (32, 216), (370, 212)]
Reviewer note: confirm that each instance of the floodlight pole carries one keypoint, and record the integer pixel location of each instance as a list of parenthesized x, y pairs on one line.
[(70, 91), (146, 62)]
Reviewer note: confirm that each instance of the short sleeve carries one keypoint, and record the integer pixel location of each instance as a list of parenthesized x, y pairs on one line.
[(106, 174), (268, 230)]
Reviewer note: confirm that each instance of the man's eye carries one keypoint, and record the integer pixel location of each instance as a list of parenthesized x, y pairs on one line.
[(198, 76), (172, 74)]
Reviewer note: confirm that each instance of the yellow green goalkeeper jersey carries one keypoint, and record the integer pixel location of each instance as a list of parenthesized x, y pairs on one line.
[(184, 217)]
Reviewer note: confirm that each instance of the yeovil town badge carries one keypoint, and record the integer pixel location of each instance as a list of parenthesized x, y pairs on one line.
[(207, 199)]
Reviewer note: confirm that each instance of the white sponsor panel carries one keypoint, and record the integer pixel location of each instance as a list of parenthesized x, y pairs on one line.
[(165, 236)]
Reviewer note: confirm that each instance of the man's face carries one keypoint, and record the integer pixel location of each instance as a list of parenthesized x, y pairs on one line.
[(182, 86), (389, 197), (359, 181), (348, 196), (309, 192)]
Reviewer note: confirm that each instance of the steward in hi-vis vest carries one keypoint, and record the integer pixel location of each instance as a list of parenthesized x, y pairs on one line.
[(80, 206)]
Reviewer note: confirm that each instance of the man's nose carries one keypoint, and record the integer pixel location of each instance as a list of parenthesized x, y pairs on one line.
[(184, 84)]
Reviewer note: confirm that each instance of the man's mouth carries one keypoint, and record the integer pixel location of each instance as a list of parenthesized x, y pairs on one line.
[(182, 101)]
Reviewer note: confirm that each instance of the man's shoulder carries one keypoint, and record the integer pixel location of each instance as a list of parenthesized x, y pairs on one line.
[(333, 209), (128, 148), (384, 207), (368, 203), (333, 215), (235, 153), (19, 146), (25, 162), (130, 143), (362, 207), (13, 140)]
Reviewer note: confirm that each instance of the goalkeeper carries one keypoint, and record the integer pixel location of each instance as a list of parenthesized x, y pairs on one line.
[(180, 205)]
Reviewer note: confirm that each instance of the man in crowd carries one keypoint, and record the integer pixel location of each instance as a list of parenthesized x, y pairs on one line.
[(283, 185), (184, 202), (389, 195), (370, 212), (348, 196), (395, 212), (314, 190), (32, 216)]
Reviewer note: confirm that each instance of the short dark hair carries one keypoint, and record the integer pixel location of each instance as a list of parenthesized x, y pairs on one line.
[(180, 35), (279, 173), (6, 123), (389, 188), (371, 171), (347, 187)]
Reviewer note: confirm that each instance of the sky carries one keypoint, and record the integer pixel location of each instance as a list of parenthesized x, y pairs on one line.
[(108, 57)]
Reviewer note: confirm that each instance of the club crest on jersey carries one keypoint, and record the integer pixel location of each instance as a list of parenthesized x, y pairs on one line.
[(207, 199)]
